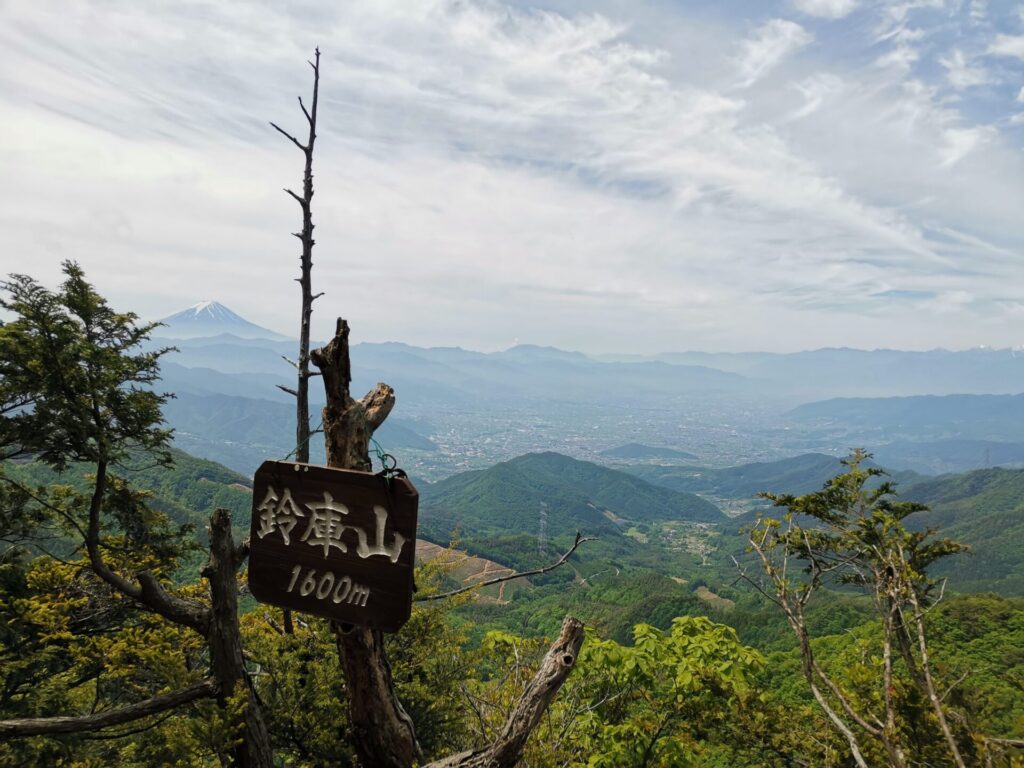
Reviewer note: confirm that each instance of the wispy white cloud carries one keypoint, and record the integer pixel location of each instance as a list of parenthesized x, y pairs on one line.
[(961, 74), (901, 58), (895, 16), (815, 90), (1008, 45), (768, 47), (566, 178), (828, 9), (960, 142)]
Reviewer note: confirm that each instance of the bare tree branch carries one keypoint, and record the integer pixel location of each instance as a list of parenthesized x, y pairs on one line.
[(1016, 743), (288, 136), (55, 725), (498, 580), (148, 590)]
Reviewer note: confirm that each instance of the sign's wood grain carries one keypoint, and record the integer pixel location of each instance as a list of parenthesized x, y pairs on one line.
[(333, 542)]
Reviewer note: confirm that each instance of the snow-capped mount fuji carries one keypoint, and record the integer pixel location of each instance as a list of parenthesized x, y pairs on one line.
[(211, 318)]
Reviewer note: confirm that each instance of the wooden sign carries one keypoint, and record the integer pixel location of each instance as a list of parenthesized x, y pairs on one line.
[(333, 542)]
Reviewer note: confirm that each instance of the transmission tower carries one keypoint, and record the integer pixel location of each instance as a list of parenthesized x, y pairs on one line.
[(542, 529)]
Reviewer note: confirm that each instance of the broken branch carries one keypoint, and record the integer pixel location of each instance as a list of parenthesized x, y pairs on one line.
[(53, 725), (498, 580), (507, 748), (288, 136)]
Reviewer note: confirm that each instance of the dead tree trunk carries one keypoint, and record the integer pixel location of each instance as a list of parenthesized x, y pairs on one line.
[(225, 641), (507, 748), (301, 392), (383, 732)]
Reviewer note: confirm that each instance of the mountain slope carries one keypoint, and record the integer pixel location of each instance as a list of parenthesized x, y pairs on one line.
[(940, 457), (510, 498), (984, 509), (242, 432), (187, 492), (796, 475), (799, 474), (210, 318)]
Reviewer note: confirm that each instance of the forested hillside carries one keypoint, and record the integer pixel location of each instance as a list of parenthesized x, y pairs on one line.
[(619, 601), (576, 494), (187, 490), (984, 509)]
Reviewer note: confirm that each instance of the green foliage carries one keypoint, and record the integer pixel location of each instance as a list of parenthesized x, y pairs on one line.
[(657, 682), (185, 489), (67, 645), (611, 604), (883, 695), (986, 510), (76, 396), (675, 697), (982, 637), (577, 494), (73, 386), (300, 676), (673, 686)]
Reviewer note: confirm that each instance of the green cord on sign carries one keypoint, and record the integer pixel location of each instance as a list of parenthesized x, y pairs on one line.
[(388, 464), (384, 458), (296, 448)]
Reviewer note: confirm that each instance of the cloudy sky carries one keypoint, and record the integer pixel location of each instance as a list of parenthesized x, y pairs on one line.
[(642, 175)]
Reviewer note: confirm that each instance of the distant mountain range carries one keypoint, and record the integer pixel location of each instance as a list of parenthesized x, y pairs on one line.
[(242, 432), (867, 373), (940, 457), (211, 318), (227, 370), (795, 475), (978, 417)]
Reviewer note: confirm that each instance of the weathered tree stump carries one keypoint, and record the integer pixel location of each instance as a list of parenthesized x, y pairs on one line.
[(384, 734)]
